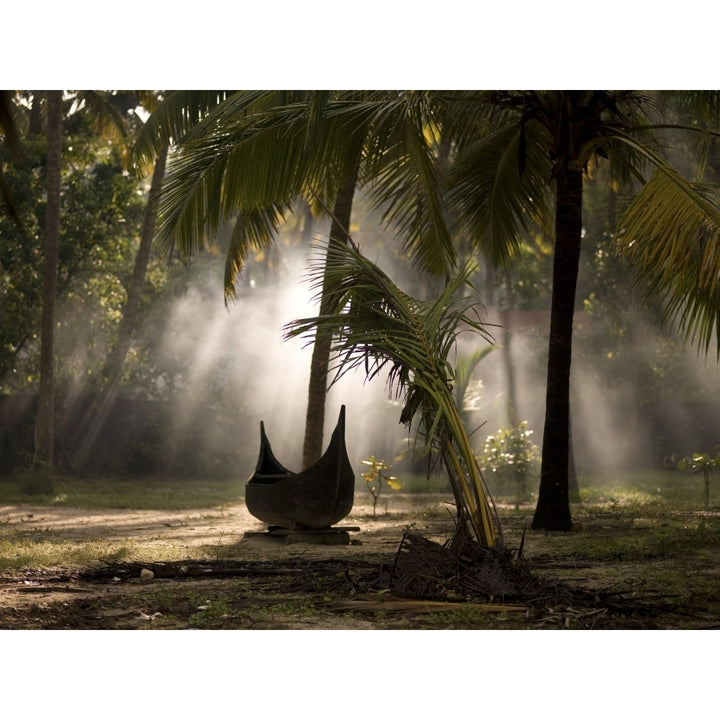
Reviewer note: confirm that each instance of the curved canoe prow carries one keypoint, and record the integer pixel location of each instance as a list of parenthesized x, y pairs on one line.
[(315, 498), (268, 467)]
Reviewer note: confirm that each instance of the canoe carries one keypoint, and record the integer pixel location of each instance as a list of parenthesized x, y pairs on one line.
[(315, 498)]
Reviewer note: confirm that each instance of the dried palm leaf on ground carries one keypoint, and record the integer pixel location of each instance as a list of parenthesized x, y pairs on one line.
[(465, 569)]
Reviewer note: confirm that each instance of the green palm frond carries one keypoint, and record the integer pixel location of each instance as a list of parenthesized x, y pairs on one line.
[(671, 234), (253, 230), (464, 368), (376, 327), (405, 179), (171, 120), (250, 155), (215, 177), (109, 121), (500, 189), (255, 153)]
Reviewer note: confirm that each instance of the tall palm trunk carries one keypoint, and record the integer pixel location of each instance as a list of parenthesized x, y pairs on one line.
[(507, 356), (95, 419), (317, 388), (142, 260), (45, 421), (553, 507)]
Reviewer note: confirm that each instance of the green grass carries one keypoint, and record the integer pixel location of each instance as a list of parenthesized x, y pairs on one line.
[(650, 487), (422, 483), (22, 552), (128, 493), (651, 541), (31, 550), (620, 490), (646, 533)]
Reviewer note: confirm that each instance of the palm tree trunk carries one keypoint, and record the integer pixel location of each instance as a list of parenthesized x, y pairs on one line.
[(45, 421), (317, 389), (507, 356), (573, 487), (142, 260), (93, 423), (553, 507)]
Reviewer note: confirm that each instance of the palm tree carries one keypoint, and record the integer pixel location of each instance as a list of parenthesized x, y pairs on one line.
[(110, 123), (255, 153), (94, 421), (372, 324), (45, 421), (521, 158), (10, 137)]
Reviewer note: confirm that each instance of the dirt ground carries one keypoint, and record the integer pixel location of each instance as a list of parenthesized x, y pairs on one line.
[(218, 569)]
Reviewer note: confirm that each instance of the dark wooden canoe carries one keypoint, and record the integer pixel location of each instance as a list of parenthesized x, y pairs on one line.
[(314, 498)]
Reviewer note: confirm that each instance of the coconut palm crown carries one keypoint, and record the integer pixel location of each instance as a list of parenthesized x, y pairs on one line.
[(377, 328)]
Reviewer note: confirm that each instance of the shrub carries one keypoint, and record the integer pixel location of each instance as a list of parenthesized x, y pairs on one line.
[(508, 457)]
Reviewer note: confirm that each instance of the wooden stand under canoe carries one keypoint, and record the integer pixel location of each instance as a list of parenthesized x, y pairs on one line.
[(315, 498)]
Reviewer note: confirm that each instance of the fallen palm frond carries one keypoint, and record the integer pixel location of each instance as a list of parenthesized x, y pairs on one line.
[(375, 326)]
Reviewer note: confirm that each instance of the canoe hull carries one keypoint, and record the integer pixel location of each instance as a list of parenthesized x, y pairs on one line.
[(315, 498)]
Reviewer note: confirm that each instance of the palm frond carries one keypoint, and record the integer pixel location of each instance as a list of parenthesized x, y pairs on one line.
[(405, 177), (171, 120), (253, 230), (375, 327), (499, 188), (109, 121), (671, 234), (464, 368), (253, 154), (243, 168)]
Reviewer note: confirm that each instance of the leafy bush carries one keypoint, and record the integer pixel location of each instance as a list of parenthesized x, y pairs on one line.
[(508, 457)]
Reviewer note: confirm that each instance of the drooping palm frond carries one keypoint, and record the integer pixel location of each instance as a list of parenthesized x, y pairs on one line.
[(252, 154), (496, 199), (464, 369), (405, 182), (253, 231), (671, 234), (376, 327), (255, 153), (109, 120)]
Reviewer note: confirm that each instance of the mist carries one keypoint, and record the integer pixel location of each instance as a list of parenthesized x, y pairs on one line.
[(227, 367), (237, 358), (620, 420), (234, 361)]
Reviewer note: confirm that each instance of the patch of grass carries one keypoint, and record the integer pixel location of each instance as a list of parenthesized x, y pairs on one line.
[(210, 612), (649, 487), (24, 552), (128, 493), (34, 550), (647, 538), (422, 483), (37, 482), (466, 616)]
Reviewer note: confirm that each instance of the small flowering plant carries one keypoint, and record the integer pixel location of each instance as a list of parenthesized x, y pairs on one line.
[(376, 475), (701, 463)]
